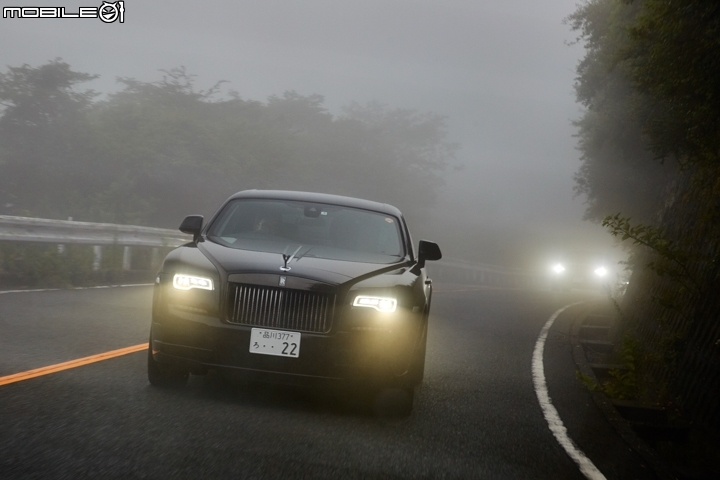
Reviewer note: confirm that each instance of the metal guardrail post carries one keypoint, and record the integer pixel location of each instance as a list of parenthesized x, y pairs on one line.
[(127, 258), (97, 257), (155, 258)]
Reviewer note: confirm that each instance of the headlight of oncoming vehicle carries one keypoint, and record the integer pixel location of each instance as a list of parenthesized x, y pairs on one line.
[(186, 282), (601, 271), (381, 304)]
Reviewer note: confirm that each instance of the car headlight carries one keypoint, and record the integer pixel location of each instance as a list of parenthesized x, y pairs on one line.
[(558, 268), (186, 282), (381, 304), (601, 271)]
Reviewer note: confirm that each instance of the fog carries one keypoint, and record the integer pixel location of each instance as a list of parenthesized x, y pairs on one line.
[(501, 72)]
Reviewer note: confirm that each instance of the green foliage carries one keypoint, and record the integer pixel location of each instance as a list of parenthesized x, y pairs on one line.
[(624, 383), (650, 83), (28, 264), (587, 381), (672, 260), (674, 55), (43, 130), (618, 172), (45, 265), (155, 152), (35, 97)]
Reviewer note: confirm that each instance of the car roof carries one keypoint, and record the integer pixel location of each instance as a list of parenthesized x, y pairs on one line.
[(319, 198)]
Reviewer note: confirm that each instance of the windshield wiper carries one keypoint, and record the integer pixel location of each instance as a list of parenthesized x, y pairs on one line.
[(303, 254)]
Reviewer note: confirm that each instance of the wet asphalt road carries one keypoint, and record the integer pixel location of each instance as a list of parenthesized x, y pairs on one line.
[(476, 415)]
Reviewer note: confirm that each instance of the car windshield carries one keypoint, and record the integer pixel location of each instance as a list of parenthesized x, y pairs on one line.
[(309, 230)]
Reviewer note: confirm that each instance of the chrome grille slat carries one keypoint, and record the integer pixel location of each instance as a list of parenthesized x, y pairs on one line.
[(237, 303), (313, 312), (304, 315), (274, 302), (264, 307), (252, 303), (273, 307)]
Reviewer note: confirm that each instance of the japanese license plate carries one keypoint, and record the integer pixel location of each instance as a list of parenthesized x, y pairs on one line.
[(275, 342)]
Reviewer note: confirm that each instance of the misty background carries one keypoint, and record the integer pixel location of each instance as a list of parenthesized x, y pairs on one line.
[(501, 73)]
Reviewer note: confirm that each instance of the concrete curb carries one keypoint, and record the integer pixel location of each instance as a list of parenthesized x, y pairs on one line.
[(621, 426)]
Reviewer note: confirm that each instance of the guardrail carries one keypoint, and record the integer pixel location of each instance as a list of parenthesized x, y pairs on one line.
[(458, 271), (61, 232), (25, 229)]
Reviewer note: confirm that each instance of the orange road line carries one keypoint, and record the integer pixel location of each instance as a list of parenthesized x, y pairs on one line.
[(38, 372)]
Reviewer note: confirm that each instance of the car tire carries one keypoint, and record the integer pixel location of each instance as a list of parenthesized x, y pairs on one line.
[(416, 371), (407, 407), (164, 376)]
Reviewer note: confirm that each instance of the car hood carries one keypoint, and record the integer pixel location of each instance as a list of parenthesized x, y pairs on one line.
[(335, 272)]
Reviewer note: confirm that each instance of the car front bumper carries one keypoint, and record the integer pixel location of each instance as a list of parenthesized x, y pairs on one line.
[(197, 343)]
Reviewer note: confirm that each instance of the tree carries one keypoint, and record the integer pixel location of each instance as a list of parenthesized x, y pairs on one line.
[(156, 151), (618, 171), (42, 127), (178, 150), (674, 55), (665, 55)]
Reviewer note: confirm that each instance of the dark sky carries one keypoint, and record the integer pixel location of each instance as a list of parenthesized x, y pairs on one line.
[(501, 71)]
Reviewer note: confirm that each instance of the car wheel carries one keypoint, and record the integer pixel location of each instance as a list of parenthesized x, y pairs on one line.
[(164, 376), (416, 372)]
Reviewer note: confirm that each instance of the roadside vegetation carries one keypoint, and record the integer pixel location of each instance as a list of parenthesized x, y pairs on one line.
[(154, 152), (46, 265), (650, 145)]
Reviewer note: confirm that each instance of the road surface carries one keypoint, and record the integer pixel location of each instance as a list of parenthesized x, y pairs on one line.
[(477, 414)]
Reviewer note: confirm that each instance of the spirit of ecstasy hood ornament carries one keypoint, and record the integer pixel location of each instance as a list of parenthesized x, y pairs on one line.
[(287, 258)]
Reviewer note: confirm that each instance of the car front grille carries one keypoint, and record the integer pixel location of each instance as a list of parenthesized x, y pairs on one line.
[(270, 307)]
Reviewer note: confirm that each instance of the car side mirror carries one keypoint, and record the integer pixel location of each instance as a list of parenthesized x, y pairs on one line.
[(192, 224), (428, 251)]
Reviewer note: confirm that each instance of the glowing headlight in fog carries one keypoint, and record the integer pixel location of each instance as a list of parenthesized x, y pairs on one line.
[(558, 268), (381, 304), (186, 282), (601, 271)]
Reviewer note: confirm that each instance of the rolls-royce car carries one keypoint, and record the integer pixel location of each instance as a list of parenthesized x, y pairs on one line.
[(296, 288)]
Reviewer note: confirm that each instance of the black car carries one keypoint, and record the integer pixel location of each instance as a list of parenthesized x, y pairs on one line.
[(296, 288)]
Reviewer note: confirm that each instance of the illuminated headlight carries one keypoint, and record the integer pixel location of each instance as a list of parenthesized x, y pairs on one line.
[(381, 304), (186, 282), (558, 268), (601, 271)]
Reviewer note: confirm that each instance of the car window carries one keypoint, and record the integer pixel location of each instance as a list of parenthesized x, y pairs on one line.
[(319, 230)]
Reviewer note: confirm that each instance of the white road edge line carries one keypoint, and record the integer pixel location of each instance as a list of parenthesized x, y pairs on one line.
[(76, 288), (551, 414)]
